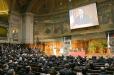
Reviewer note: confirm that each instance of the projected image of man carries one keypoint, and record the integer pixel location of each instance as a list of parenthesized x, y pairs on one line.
[(84, 16), (81, 18)]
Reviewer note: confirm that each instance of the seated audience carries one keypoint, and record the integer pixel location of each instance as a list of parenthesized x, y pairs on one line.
[(15, 58)]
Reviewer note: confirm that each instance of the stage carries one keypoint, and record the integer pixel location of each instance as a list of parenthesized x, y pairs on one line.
[(89, 55), (78, 53)]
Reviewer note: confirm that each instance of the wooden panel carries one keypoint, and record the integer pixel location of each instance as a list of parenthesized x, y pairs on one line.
[(79, 45)]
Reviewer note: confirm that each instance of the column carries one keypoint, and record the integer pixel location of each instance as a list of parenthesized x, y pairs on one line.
[(28, 28)]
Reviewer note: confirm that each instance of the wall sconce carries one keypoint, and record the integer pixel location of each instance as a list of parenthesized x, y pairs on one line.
[(14, 31), (15, 34)]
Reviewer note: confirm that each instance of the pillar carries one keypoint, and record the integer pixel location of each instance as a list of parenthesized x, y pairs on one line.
[(28, 28)]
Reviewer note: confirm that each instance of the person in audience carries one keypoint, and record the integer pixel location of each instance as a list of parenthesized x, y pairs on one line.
[(102, 60), (11, 72), (66, 70), (78, 70), (91, 65), (5, 69), (103, 71), (28, 71), (53, 71)]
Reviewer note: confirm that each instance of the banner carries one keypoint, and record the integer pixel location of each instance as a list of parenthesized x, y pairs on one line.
[(110, 40)]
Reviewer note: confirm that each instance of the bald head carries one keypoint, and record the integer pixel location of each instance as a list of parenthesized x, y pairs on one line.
[(80, 11)]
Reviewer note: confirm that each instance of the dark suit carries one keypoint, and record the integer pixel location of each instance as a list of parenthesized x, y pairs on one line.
[(80, 20), (66, 71)]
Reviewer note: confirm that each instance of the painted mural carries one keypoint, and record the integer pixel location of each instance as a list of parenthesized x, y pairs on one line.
[(48, 29), (66, 28), (105, 13), (58, 29), (38, 29)]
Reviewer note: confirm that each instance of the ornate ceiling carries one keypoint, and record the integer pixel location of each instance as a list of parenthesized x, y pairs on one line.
[(44, 7), (37, 6)]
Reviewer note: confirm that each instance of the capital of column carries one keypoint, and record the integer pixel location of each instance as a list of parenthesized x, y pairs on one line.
[(29, 14)]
